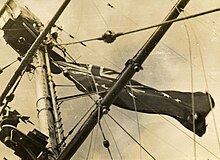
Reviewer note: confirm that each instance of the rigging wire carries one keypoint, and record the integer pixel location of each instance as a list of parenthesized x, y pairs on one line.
[(215, 30), (77, 30), (205, 148), (185, 59), (144, 126), (64, 85), (95, 142), (105, 22), (207, 87), (99, 112), (109, 4), (163, 44), (10, 64), (73, 36), (182, 132), (10, 97), (113, 138), (76, 82), (67, 98), (192, 84), (178, 128), (136, 114), (105, 141), (66, 54), (204, 23), (167, 45), (172, 48), (96, 89), (131, 137), (206, 82), (210, 19), (81, 11), (118, 10), (62, 30), (71, 131), (107, 60), (90, 145), (110, 36), (100, 13), (192, 89), (191, 68), (91, 50)]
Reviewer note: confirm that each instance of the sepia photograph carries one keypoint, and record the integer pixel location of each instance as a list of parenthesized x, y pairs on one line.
[(109, 80)]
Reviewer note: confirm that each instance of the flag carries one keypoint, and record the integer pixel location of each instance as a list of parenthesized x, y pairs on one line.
[(139, 97)]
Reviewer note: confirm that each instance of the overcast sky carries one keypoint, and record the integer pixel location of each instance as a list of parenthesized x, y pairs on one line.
[(167, 68)]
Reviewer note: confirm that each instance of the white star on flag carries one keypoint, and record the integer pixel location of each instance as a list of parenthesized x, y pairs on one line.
[(178, 100), (166, 95), (138, 90), (104, 86)]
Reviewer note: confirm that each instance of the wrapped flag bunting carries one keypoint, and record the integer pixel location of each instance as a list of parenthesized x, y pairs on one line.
[(91, 78)]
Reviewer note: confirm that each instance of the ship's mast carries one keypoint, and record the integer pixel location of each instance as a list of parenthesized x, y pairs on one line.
[(31, 52), (47, 112), (43, 104), (56, 111), (132, 66)]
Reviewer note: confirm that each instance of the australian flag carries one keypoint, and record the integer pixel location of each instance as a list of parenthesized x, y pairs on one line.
[(136, 96)]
